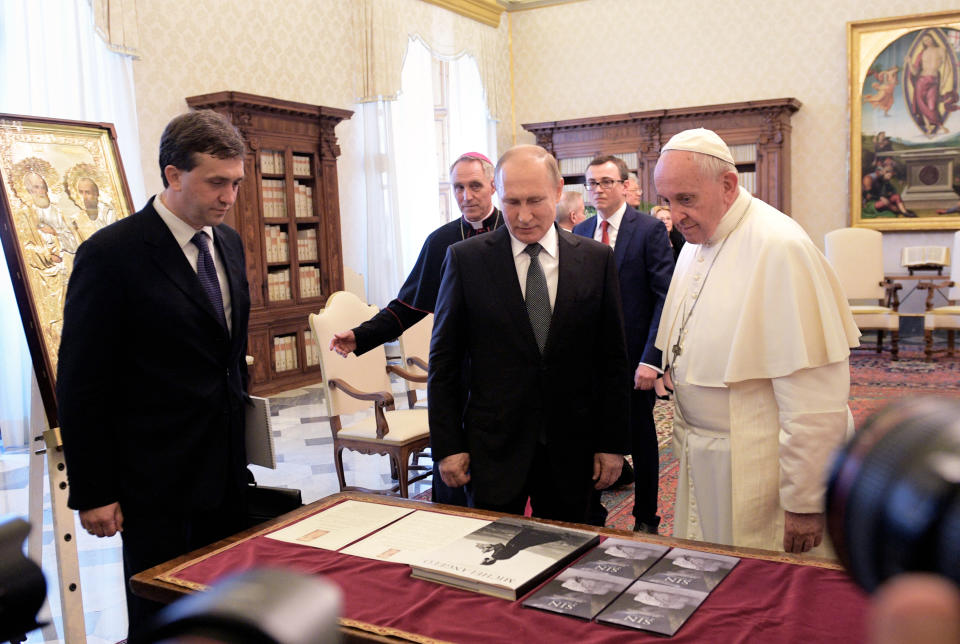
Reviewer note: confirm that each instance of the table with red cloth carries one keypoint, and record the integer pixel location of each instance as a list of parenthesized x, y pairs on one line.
[(767, 597)]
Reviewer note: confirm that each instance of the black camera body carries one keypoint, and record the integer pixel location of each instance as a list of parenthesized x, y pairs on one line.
[(893, 499), (22, 586)]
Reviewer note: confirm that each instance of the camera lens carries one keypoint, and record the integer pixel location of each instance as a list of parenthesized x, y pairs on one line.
[(892, 500)]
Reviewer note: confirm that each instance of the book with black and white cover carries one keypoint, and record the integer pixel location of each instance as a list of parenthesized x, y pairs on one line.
[(691, 569), (579, 592), (506, 558), (587, 586), (653, 607)]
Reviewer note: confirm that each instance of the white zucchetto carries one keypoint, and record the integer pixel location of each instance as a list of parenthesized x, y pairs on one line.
[(700, 140)]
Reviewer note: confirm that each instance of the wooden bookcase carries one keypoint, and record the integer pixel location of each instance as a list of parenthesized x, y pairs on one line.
[(757, 131), (288, 213)]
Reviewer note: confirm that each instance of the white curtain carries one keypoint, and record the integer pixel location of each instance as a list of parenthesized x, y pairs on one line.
[(415, 134), (383, 264), (53, 64), (471, 128), (401, 139)]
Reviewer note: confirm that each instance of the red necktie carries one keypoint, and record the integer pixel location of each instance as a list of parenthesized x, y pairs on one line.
[(604, 237)]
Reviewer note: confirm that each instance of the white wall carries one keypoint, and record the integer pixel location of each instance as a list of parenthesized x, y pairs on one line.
[(613, 56)]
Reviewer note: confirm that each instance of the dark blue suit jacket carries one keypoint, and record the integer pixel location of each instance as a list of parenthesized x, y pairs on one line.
[(644, 268)]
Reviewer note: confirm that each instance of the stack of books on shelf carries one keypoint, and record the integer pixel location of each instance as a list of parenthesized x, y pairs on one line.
[(274, 196), (302, 199), (278, 285), (309, 281), (277, 246), (311, 349), (271, 162), (307, 244), (285, 352), (301, 165)]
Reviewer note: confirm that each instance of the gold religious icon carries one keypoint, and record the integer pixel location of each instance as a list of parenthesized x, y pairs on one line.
[(60, 181)]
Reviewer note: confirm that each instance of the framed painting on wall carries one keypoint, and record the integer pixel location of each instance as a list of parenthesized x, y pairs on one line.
[(60, 182), (905, 122)]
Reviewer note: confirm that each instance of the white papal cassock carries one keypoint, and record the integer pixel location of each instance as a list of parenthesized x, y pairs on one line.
[(762, 376)]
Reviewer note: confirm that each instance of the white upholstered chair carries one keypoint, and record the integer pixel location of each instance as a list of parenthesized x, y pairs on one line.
[(946, 317), (415, 354), (856, 254), (361, 383)]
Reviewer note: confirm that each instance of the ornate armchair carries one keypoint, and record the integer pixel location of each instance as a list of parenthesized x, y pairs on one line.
[(415, 354), (946, 317), (357, 384), (856, 254)]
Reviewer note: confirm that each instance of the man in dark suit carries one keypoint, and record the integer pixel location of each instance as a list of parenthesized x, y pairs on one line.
[(535, 311), (472, 178), (644, 267), (152, 373)]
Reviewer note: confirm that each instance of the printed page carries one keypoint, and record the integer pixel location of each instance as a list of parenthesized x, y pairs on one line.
[(414, 536), (339, 525)]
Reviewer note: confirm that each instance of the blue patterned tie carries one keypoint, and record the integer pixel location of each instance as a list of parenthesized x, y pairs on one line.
[(537, 298), (207, 273)]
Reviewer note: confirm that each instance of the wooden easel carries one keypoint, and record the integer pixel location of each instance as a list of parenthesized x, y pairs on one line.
[(47, 448)]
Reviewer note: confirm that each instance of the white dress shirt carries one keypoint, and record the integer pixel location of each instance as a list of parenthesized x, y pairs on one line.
[(613, 225), (549, 261), (183, 233)]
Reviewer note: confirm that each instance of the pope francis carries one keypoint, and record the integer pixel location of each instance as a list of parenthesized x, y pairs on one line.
[(756, 335)]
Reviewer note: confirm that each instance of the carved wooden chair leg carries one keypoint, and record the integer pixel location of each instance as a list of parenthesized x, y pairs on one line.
[(894, 345), (394, 471), (879, 341), (338, 464), (951, 336), (928, 345), (401, 465)]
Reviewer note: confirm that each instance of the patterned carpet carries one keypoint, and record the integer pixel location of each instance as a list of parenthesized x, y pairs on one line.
[(874, 381)]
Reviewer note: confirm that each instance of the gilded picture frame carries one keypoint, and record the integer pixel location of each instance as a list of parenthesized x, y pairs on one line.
[(60, 182), (904, 77)]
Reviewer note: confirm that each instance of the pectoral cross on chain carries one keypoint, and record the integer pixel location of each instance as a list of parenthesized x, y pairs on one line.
[(677, 349)]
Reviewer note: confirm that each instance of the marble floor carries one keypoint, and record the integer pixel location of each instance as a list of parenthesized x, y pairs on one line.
[(304, 460)]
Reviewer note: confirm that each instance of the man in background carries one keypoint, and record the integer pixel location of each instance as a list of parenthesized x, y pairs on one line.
[(756, 333), (152, 374), (632, 191), (644, 266), (570, 210), (472, 179), (529, 307)]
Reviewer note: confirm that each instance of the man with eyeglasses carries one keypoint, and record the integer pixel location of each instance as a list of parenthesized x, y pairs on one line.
[(472, 178), (644, 266)]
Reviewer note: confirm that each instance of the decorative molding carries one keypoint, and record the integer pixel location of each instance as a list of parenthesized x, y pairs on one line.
[(486, 11), (764, 123)]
